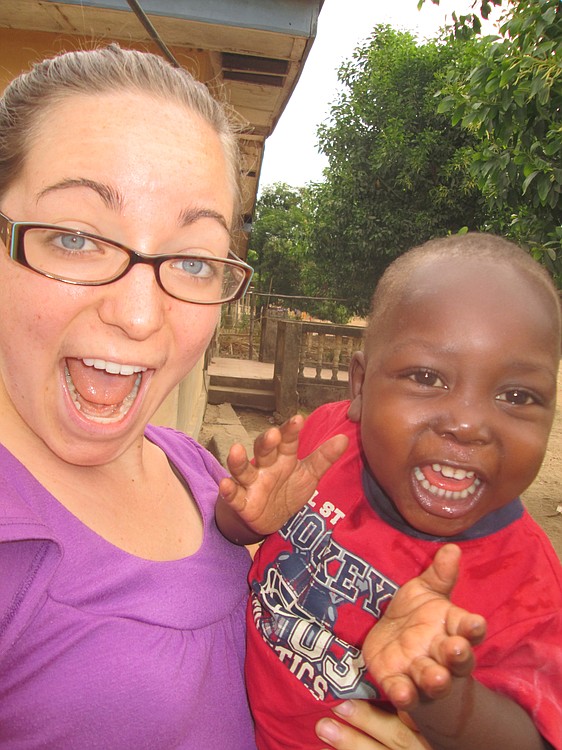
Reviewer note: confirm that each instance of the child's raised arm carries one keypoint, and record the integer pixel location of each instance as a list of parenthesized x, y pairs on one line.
[(420, 653), (261, 496)]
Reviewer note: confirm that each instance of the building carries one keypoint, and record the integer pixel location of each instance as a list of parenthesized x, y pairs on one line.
[(249, 52)]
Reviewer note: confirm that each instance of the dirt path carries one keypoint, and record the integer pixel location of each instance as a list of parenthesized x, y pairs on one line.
[(543, 496)]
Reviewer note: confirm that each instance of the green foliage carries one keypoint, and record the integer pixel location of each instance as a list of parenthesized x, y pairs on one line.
[(466, 26), (397, 168), (277, 245), (423, 140), (280, 252), (512, 103)]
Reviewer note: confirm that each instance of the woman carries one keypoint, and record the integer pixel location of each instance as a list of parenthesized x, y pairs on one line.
[(121, 606)]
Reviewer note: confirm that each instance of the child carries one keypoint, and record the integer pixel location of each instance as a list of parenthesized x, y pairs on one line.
[(451, 407)]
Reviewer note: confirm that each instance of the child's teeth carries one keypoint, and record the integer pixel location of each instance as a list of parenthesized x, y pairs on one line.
[(451, 473)]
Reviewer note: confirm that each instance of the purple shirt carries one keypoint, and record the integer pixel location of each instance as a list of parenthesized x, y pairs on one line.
[(102, 649)]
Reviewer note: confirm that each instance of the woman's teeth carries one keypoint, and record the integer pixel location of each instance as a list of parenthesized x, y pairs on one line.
[(114, 368), (449, 472)]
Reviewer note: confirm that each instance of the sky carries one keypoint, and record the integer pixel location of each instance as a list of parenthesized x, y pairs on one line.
[(291, 154)]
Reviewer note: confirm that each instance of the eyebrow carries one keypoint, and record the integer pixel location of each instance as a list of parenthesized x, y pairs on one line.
[(114, 200), (109, 195), (191, 215)]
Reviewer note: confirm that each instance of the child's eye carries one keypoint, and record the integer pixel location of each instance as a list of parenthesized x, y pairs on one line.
[(517, 397), (427, 377)]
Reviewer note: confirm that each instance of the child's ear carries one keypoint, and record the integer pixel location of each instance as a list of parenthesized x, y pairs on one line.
[(356, 379)]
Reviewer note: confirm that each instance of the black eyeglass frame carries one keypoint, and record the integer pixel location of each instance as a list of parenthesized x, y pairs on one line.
[(12, 234)]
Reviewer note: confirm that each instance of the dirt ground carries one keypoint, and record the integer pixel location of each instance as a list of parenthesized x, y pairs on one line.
[(543, 497)]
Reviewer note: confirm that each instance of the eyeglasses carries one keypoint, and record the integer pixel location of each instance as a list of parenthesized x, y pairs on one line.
[(76, 257)]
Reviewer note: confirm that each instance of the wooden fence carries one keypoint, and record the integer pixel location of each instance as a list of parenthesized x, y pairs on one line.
[(311, 363)]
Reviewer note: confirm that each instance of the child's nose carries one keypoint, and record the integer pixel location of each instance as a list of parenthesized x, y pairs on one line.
[(465, 420)]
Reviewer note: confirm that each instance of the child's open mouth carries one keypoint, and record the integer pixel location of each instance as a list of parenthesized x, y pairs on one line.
[(102, 391), (449, 491)]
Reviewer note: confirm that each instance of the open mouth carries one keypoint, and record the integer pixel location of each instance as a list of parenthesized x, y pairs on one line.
[(446, 490), (447, 481), (102, 391)]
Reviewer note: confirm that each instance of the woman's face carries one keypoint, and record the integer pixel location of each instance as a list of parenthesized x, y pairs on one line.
[(143, 172)]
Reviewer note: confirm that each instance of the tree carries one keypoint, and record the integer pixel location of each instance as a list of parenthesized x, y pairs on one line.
[(274, 246), (280, 252), (512, 103), (277, 244), (465, 26), (396, 174)]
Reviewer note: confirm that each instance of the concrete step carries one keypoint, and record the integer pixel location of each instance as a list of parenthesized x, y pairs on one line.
[(238, 395), (221, 429), (232, 381)]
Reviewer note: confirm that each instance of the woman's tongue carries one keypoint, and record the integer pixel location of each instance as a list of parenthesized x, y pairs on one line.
[(96, 390)]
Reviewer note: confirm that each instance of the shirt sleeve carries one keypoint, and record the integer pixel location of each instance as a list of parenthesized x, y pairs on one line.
[(524, 662)]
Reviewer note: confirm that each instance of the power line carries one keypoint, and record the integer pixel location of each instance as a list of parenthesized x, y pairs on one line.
[(297, 296), (145, 20)]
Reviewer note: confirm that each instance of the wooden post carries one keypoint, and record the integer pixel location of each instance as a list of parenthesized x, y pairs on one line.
[(321, 340), (251, 342), (286, 368), (336, 359)]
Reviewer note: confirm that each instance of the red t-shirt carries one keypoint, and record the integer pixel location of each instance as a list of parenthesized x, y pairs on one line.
[(321, 583)]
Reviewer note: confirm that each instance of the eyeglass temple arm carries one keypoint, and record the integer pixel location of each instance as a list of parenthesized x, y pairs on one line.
[(5, 233)]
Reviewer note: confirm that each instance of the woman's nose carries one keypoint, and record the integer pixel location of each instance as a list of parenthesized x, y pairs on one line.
[(135, 303)]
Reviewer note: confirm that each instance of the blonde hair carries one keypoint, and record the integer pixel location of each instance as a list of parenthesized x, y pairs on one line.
[(99, 71)]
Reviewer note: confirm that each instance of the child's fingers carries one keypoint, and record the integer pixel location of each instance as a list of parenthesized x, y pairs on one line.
[(266, 447), (239, 464), (290, 433), (233, 494), (430, 677), (400, 691), (466, 624), (440, 577), (456, 655), (318, 462), (278, 441)]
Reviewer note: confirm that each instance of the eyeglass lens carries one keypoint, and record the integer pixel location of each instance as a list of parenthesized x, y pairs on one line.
[(73, 257)]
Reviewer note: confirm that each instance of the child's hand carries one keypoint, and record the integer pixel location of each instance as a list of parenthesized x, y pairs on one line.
[(423, 639), (268, 492)]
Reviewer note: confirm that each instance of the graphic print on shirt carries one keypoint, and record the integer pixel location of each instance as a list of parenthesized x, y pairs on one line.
[(295, 605)]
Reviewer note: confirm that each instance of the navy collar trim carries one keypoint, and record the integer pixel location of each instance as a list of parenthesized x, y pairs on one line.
[(490, 524)]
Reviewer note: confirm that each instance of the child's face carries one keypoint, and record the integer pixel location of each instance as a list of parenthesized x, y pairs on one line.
[(456, 394)]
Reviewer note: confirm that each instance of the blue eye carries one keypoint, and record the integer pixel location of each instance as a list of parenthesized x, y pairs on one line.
[(196, 267), (192, 266), (72, 241)]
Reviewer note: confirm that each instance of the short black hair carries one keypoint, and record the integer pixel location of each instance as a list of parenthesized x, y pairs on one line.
[(474, 245)]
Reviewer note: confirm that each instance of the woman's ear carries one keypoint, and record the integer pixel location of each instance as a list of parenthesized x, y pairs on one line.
[(356, 379)]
